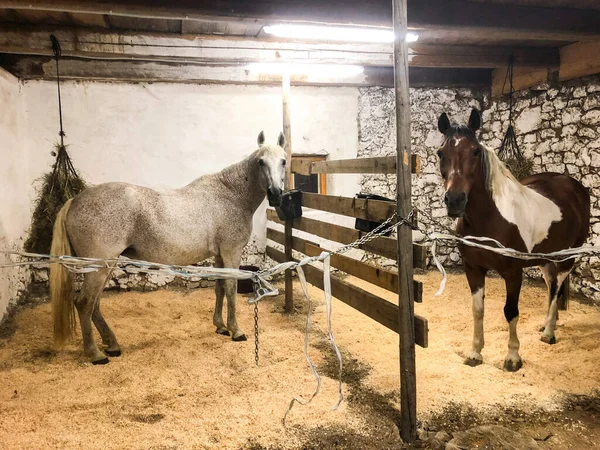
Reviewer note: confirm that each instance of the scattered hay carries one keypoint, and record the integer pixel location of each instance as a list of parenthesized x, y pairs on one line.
[(57, 186)]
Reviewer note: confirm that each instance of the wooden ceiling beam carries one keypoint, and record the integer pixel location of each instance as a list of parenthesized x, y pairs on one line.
[(473, 19), (523, 77), (160, 47), (579, 60), (44, 68)]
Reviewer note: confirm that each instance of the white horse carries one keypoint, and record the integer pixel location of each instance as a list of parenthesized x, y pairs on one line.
[(212, 216)]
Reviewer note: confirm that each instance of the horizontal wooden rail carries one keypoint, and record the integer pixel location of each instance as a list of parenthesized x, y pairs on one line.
[(377, 164), (378, 309), (298, 243), (374, 210), (382, 246), (380, 277)]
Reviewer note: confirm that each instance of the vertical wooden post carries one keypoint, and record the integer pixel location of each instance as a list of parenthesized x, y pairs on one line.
[(287, 132), (408, 387)]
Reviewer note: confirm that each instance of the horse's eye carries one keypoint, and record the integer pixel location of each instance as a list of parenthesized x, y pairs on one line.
[(440, 154), (261, 162), (477, 152), (283, 163)]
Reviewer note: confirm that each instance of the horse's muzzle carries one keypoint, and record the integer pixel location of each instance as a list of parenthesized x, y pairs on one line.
[(456, 203), (274, 196)]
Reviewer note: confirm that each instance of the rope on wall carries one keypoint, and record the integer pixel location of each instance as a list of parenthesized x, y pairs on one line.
[(509, 151)]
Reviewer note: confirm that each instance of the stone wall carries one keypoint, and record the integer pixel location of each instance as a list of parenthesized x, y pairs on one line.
[(557, 126), (377, 137)]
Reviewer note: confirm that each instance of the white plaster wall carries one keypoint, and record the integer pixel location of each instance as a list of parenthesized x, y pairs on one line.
[(16, 187), (166, 135)]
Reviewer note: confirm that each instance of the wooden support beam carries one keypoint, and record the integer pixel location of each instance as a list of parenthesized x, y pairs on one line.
[(496, 21), (381, 277), (523, 77), (382, 246), (377, 164), (190, 48), (374, 210), (483, 56), (579, 60), (44, 68), (406, 312), (378, 309), (471, 20), (287, 131), (175, 48)]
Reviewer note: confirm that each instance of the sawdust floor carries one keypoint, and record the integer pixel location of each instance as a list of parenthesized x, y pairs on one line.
[(180, 385)]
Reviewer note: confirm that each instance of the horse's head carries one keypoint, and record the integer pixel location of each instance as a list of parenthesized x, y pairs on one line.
[(461, 158), (271, 161)]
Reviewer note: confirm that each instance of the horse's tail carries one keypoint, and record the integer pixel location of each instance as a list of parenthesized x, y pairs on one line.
[(61, 282)]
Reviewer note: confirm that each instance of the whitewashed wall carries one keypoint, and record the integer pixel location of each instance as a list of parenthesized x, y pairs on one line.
[(16, 187), (163, 135)]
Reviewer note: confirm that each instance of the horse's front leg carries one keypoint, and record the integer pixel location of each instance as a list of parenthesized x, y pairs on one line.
[(232, 261), (513, 280), (476, 279)]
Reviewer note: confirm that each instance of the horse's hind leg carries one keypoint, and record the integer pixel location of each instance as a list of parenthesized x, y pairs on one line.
[(93, 284), (557, 274), (220, 294), (232, 260), (108, 337), (476, 279)]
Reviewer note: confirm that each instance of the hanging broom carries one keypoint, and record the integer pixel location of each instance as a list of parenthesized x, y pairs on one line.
[(509, 152), (57, 186)]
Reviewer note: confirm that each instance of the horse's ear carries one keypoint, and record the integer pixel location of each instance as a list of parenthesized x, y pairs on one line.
[(474, 120), (443, 123), (261, 139), (281, 140)]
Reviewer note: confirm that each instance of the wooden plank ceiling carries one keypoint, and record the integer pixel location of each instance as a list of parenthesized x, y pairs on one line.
[(461, 42)]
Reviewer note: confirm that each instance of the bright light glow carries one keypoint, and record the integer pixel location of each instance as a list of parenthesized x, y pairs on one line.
[(412, 37), (327, 33), (323, 70)]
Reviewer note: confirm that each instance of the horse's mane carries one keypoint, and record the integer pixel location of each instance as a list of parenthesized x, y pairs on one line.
[(495, 171)]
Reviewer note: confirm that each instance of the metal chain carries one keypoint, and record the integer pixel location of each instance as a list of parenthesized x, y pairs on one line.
[(371, 235), (256, 333)]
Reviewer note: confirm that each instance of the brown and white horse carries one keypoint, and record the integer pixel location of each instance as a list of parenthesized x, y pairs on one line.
[(543, 213)]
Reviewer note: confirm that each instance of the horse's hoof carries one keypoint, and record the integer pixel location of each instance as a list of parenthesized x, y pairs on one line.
[(473, 362), (113, 353), (512, 366), (224, 332), (548, 340), (100, 362), (240, 338)]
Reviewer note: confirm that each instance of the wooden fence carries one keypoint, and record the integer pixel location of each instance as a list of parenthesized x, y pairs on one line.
[(373, 306)]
